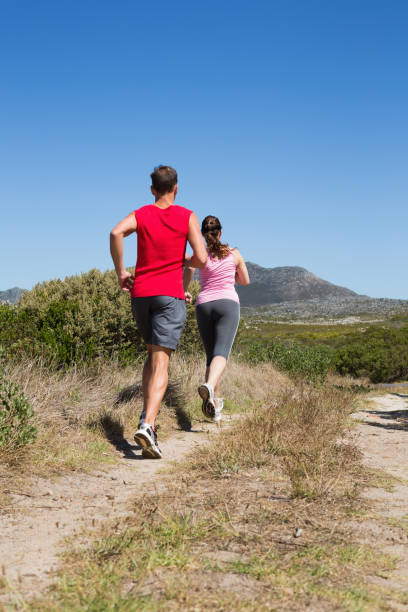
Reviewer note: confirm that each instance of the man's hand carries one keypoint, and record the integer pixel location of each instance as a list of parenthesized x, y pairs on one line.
[(188, 297), (126, 280)]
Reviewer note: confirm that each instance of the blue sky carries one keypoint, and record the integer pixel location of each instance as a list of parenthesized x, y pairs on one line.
[(285, 118)]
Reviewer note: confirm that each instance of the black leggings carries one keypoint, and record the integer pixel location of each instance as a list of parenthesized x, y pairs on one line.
[(217, 323)]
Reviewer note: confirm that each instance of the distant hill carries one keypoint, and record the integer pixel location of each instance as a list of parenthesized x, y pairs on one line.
[(286, 284), (11, 295)]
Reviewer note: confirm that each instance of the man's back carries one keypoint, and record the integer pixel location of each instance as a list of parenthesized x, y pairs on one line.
[(161, 244)]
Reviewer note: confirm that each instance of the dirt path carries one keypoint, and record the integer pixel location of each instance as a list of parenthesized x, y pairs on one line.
[(384, 441), (31, 537)]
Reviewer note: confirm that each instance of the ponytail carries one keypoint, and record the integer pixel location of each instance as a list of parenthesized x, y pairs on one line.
[(210, 229)]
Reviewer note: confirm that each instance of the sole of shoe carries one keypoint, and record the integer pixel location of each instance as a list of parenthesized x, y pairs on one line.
[(151, 452), (148, 449), (208, 406)]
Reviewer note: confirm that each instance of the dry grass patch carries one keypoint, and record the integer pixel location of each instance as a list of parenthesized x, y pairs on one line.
[(308, 429), (84, 415), (224, 544), (262, 519)]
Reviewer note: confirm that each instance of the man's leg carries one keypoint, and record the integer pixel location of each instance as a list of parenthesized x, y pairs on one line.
[(155, 379), (145, 379), (147, 370)]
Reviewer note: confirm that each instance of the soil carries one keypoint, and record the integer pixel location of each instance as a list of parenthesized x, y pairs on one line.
[(383, 437)]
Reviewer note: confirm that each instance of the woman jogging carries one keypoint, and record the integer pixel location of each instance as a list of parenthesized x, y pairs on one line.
[(217, 309)]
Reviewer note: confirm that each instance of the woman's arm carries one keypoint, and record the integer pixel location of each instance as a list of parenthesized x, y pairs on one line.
[(241, 275)]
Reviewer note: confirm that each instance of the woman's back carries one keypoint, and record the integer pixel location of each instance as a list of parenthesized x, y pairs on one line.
[(217, 279)]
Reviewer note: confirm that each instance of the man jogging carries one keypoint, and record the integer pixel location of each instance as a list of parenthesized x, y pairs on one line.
[(158, 302)]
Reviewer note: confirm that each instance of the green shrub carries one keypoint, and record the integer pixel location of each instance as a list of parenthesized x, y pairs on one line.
[(15, 413), (78, 320), (309, 362), (72, 321), (15, 416), (381, 354)]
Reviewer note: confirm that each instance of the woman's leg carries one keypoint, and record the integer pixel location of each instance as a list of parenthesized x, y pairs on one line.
[(214, 372), (226, 320), (205, 325)]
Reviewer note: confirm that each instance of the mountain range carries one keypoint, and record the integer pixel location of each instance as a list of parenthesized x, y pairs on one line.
[(286, 284), (268, 286), (290, 289), (11, 295)]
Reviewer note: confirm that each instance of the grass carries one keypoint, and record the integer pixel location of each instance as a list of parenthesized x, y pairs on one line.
[(401, 523), (176, 559), (83, 415), (376, 350), (221, 535), (382, 480), (308, 429), (312, 333)]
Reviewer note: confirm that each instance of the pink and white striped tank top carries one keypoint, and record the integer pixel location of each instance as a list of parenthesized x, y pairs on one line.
[(217, 280)]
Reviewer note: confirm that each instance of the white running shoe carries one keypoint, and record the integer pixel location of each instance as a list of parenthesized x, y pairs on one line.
[(218, 409), (206, 392), (146, 437)]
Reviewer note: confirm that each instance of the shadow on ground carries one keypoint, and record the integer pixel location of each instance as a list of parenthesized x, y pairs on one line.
[(399, 419), (114, 431), (174, 398)]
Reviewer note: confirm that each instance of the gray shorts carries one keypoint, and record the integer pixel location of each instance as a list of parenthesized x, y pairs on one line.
[(218, 323), (160, 319)]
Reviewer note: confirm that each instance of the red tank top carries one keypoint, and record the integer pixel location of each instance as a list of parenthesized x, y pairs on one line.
[(161, 246)]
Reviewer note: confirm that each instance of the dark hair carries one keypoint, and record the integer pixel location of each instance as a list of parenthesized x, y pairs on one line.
[(210, 229), (164, 178)]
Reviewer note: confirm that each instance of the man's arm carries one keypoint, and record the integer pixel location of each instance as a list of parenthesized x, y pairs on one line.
[(199, 257), (187, 278), (124, 228)]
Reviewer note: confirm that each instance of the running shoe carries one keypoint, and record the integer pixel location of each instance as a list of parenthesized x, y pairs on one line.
[(146, 437), (206, 392), (218, 409)]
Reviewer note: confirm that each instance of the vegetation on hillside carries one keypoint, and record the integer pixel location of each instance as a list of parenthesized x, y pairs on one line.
[(86, 318), (78, 320), (378, 352)]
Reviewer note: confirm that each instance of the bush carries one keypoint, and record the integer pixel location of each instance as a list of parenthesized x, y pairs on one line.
[(78, 320), (15, 416), (15, 413), (72, 321), (379, 353), (309, 362)]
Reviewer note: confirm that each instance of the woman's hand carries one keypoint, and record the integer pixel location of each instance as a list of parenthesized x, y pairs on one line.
[(188, 297)]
